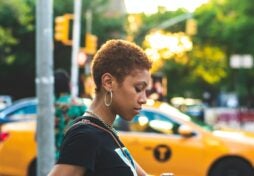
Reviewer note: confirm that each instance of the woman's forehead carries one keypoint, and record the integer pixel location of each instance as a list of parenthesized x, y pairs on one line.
[(139, 75)]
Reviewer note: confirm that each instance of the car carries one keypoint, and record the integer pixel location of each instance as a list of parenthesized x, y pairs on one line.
[(5, 100), (192, 107), (18, 148), (161, 139), (19, 110), (164, 139), (26, 108), (18, 129)]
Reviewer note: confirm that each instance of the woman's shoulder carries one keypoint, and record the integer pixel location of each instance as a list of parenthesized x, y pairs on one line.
[(83, 130), (82, 135)]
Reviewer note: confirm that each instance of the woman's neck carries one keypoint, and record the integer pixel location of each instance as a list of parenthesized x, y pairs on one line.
[(104, 113)]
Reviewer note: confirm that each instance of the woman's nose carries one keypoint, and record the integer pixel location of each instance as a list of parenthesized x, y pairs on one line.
[(143, 98)]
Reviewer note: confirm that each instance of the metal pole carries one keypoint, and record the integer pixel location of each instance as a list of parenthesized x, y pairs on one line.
[(173, 21), (89, 21), (75, 48), (44, 87)]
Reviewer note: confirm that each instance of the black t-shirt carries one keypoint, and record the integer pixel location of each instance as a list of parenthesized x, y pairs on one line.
[(94, 149)]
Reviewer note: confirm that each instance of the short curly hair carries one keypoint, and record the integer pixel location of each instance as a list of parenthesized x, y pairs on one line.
[(118, 57)]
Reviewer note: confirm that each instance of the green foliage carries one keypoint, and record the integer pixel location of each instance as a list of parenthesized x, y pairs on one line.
[(16, 21), (188, 73), (17, 40), (224, 28), (228, 24), (208, 63), (150, 22), (6, 41), (113, 27)]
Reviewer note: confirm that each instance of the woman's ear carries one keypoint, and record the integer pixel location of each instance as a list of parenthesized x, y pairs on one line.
[(107, 81)]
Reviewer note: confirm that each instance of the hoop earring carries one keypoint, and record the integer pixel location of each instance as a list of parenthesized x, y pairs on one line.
[(105, 98)]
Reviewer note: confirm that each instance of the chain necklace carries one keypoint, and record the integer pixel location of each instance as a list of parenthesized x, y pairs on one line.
[(111, 128)]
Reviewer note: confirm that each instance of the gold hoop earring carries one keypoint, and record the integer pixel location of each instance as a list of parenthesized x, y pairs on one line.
[(105, 98)]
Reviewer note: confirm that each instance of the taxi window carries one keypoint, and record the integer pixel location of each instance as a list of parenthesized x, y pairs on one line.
[(154, 122), (149, 122)]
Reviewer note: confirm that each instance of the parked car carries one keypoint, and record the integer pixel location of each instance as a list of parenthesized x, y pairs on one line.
[(26, 108), (5, 100), (21, 132), (161, 139), (19, 110), (18, 148)]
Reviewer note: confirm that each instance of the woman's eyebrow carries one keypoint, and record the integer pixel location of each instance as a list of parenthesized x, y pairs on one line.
[(142, 83)]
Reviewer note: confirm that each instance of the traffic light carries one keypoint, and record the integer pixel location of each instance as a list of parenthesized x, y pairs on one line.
[(62, 26), (90, 43), (191, 27)]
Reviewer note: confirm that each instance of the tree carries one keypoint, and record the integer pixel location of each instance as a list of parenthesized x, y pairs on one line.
[(224, 28), (16, 50), (189, 73), (17, 40), (228, 25)]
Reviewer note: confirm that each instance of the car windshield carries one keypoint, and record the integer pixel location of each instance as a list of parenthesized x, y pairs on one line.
[(163, 120), (149, 122), (167, 108), (171, 110)]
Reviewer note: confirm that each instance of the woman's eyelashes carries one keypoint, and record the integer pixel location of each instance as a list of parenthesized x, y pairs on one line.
[(139, 88)]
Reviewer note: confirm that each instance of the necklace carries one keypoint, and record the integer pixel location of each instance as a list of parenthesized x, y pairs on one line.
[(124, 151), (102, 121)]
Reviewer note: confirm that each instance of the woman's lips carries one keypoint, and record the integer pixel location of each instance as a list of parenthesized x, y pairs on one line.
[(137, 110)]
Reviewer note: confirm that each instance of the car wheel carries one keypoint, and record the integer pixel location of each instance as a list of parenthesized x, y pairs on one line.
[(231, 167), (32, 168)]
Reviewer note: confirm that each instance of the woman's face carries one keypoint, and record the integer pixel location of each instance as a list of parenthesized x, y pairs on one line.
[(129, 96)]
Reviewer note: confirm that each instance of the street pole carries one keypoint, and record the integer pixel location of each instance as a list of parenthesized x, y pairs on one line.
[(172, 21), (75, 48), (44, 87), (89, 19)]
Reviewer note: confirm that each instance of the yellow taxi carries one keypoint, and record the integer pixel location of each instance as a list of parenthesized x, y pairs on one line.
[(163, 139), (18, 149), (160, 138)]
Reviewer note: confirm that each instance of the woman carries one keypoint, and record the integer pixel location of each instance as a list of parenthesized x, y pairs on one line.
[(120, 71)]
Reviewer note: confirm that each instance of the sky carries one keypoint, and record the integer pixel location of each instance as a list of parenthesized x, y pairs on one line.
[(150, 6)]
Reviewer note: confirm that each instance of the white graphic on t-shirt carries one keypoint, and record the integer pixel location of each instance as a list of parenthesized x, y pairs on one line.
[(126, 160)]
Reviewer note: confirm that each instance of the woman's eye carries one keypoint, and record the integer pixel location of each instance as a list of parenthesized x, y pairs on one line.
[(138, 89)]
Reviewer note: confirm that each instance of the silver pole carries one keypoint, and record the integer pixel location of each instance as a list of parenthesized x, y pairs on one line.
[(75, 48), (89, 21), (44, 87), (172, 21)]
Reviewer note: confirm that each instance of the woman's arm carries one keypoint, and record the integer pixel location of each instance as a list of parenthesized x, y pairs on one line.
[(67, 170)]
